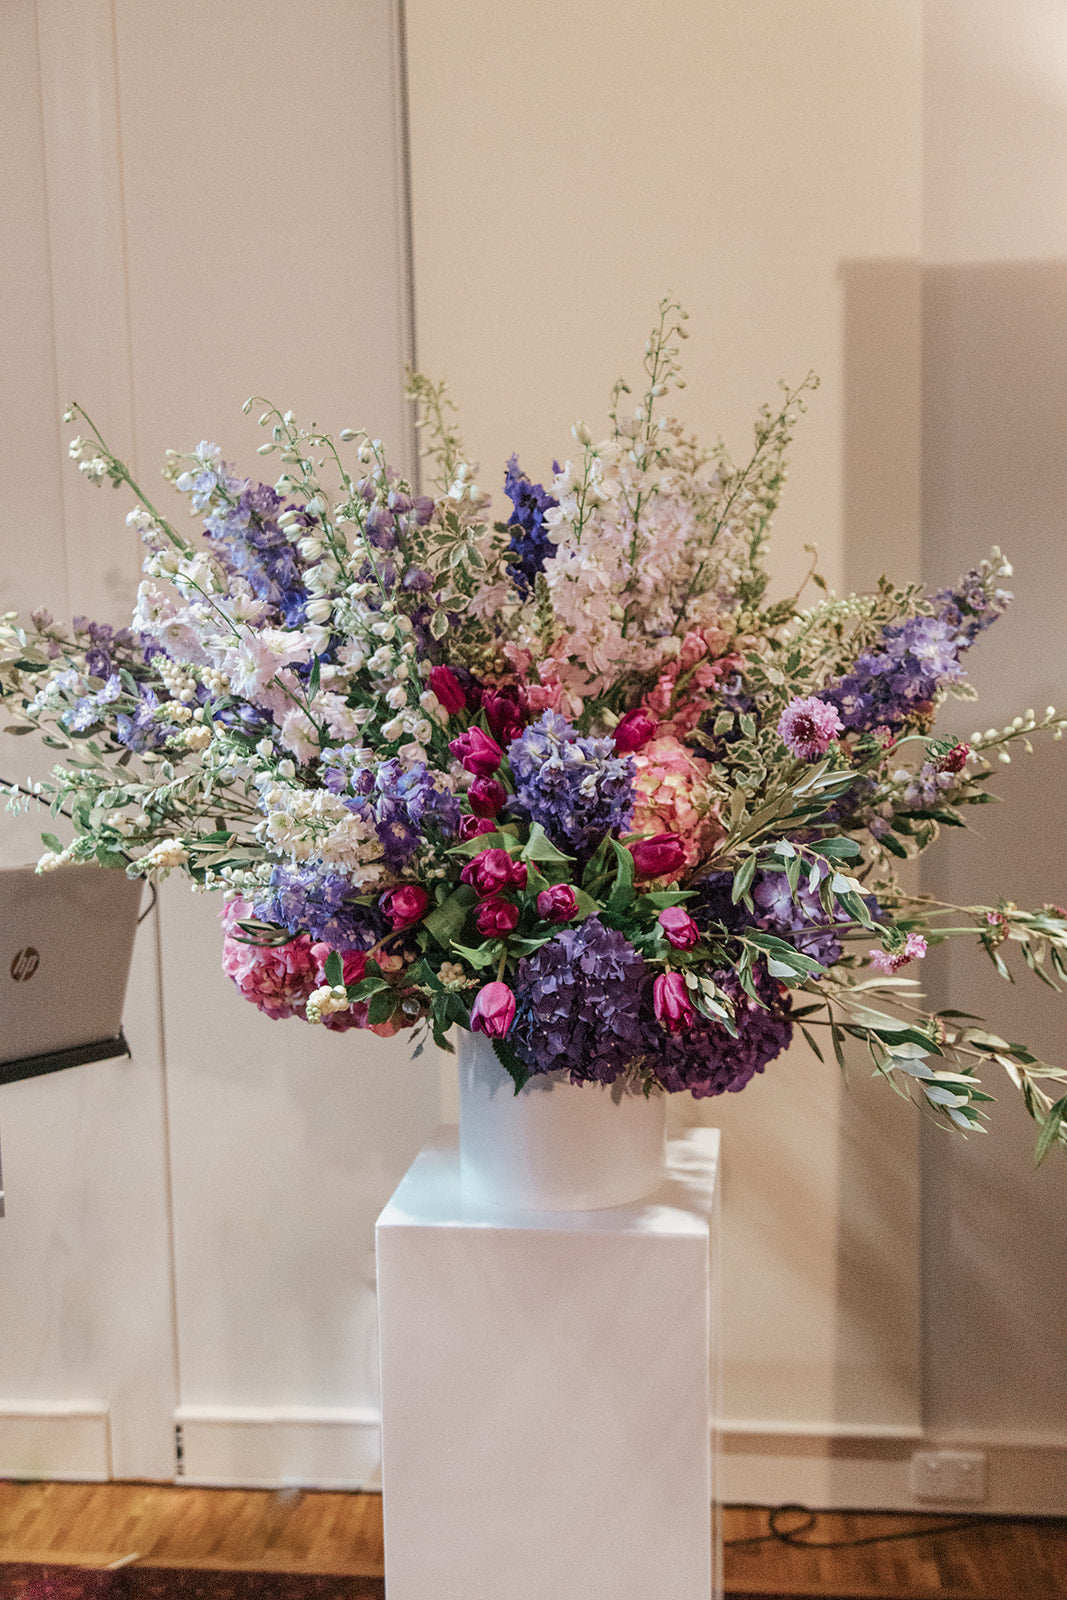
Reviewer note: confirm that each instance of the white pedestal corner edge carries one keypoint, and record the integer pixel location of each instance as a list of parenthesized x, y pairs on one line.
[(547, 1389)]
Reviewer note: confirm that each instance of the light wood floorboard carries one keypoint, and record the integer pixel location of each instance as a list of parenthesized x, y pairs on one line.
[(256, 1530)]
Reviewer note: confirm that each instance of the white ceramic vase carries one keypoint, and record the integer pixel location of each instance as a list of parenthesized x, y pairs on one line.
[(554, 1146)]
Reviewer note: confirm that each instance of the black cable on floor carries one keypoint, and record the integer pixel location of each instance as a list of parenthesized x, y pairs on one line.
[(789, 1536)]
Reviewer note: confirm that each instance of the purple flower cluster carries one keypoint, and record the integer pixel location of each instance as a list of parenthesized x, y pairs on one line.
[(706, 1060), (802, 921), (531, 543), (577, 788), (898, 681), (580, 1004), (250, 544), (315, 901), (404, 803)]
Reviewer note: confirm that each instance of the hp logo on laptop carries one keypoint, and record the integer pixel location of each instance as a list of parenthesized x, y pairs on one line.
[(25, 964)]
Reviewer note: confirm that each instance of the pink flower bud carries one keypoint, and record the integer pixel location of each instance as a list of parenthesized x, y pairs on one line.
[(493, 870), (557, 904), (636, 728), (671, 1002), (496, 916), (405, 904), (493, 1010), (446, 687), (679, 929), (475, 751), (471, 827), (486, 796), (655, 857)]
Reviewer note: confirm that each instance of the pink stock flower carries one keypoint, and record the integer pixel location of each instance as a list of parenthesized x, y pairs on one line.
[(493, 1011), (446, 687), (490, 871), (888, 961), (654, 858), (496, 916), (486, 796), (636, 729), (671, 1002), (679, 929), (275, 978), (475, 751), (405, 905), (808, 727), (558, 903)]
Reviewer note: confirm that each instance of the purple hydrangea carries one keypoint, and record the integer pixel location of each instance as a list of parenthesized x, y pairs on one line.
[(580, 1005), (577, 788), (706, 1060), (801, 919), (530, 543)]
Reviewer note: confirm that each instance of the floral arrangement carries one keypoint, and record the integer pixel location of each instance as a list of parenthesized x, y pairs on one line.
[(567, 779)]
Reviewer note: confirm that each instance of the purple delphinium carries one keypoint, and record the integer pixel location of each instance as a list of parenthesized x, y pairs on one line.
[(706, 1060), (973, 605), (580, 1003), (530, 543), (577, 788), (404, 804), (313, 900), (249, 543)]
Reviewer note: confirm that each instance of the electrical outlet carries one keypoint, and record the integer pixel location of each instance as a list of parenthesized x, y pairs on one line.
[(948, 1475)]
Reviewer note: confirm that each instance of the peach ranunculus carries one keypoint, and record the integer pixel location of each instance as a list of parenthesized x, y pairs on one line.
[(672, 797)]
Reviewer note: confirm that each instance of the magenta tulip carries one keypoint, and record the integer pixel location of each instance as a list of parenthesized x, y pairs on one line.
[(490, 871), (471, 827), (671, 1002), (661, 854), (557, 904), (446, 687), (486, 796), (475, 751), (405, 905), (679, 929), (493, 1010), (495, 917), (636, 728)]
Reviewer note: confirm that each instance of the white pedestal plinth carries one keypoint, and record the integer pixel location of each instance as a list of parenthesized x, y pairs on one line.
[(546, 1383)]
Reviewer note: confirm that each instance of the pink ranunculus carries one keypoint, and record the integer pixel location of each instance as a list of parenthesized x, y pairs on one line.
[(558, 903), (679, 929), (655, 857), (490, 871), (475, 751), (671, 1002), (446, 686), (493, 1010), (503, 712), (470, 827), (636, 729), (496, 916), (486, 796), (405, 905)]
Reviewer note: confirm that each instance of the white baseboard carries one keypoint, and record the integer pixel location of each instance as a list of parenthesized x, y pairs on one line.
[(62, 1439), (868, 1469), (266, 1448)]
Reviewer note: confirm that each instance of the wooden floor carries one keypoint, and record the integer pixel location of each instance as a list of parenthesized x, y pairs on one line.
[(256, 1530)]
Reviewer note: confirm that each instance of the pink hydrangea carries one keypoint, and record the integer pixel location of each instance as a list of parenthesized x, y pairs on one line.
[(808, 727), (670, 785), (276, 978)]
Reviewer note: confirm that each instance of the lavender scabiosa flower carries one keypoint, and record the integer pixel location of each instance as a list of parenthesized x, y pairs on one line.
[(808, 727), (530, 542), (706, 1060), (576, 787), (580, 1005)]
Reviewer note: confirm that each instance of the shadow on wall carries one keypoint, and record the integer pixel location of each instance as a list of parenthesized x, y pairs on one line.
[(992, 357)]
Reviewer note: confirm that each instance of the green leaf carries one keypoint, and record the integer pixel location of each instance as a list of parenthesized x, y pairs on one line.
[(517, 1070), (541, 848), (894, 846), (743, 879), (1050, 1129), (622, 892), (334, 969), (480, 957), (837, 847), (446, 920), (313, 680), (792, 874), (811, 1042), (365, 988), (381, 1007), (50, 842), (598, 862)]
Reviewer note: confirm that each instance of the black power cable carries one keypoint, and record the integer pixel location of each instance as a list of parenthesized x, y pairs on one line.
[(790, 1536)]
